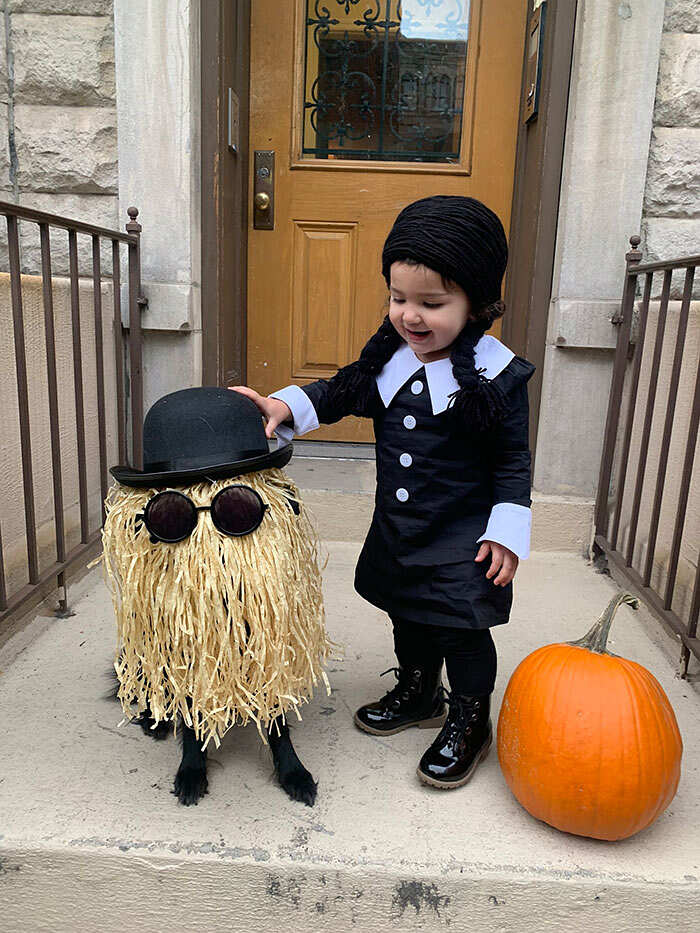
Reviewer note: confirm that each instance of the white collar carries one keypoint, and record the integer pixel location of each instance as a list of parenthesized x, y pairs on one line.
[(489, 353)]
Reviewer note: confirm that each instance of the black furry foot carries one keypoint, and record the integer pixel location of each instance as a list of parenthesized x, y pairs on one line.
[(191, 779), (191, 784), (299, 785), (293, 777), (145, 720)]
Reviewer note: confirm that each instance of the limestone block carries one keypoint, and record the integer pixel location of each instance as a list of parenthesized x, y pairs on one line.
[(63, 59), (576, 323), (678, 84), (182, 352), (3, 64), (69, 7), (171, 305), (673, 175), (608, 127), (570, 434), (61, 149), (671, 238), (89, 208), (4, 148), (682, 16)]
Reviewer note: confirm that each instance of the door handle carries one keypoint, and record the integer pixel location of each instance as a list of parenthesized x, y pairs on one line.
[(264, 190)]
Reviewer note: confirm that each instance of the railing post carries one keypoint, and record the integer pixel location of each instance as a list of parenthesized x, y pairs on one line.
[(135, 373), (42, 579), (633, 257)]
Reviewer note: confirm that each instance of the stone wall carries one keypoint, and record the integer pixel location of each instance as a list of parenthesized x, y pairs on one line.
[(671, 218), (608, 129), (70, 72), (58, 117)]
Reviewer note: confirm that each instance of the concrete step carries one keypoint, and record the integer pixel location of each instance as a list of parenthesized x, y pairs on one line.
[(92, 840), (340, 493)]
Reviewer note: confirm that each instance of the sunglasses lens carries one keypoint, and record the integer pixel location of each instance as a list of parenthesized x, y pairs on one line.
[(170, 516), (237, 510)]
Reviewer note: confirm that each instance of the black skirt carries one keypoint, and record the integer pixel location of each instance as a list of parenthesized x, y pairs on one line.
[(456, 594)]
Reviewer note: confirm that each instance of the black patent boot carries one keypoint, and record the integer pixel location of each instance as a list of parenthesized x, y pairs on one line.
[(416, 700), (462, 743)]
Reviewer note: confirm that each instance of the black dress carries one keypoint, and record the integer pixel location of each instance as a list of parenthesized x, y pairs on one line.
[(436, 485)]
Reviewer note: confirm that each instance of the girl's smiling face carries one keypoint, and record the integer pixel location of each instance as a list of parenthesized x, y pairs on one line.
[(425, 313)]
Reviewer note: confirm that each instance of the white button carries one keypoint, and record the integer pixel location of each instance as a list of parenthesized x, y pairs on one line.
[(417, 387), (405, 460), (409, 422), (402, 495)]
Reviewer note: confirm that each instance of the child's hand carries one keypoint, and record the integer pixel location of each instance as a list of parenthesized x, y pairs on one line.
[(503, 562), (273, 410)]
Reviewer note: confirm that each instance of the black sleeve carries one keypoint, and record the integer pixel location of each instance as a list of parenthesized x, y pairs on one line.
[(510, 451), (319, 395)]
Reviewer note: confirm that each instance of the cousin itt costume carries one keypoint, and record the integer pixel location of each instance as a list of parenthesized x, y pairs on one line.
[(213, 567), (453, 470)]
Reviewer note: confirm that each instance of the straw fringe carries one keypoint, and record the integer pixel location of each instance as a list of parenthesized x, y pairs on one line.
[(220, 629)]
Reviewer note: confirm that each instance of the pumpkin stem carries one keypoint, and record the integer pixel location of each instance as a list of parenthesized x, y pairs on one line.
[(597, 638)]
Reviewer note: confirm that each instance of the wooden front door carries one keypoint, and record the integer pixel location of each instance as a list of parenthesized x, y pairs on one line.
[(367, 105)]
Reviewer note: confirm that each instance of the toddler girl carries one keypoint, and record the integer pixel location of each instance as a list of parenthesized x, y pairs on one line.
[(450, 410)]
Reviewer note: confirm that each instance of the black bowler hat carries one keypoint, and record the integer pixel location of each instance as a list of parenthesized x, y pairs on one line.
[(202, 433)]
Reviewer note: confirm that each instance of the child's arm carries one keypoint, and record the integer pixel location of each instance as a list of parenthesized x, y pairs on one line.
[(507, 534), (307, 407), (275, 411)]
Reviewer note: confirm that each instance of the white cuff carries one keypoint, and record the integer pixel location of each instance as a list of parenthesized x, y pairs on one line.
[(284, 435), (509, 524), (302, 410)]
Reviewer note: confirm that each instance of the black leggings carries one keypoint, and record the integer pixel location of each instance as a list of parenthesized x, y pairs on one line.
[(469, 654)]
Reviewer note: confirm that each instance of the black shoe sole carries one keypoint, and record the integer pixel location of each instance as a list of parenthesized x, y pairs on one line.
[(433, 723), (450, 785)]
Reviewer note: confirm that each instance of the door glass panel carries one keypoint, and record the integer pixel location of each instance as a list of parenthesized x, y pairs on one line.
[(384, 79)]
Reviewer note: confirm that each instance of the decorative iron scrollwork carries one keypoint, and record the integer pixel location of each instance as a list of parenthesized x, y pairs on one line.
[(385, 82)]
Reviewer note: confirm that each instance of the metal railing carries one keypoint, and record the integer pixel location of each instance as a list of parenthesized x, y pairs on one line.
[(639, 571), (129, 394)]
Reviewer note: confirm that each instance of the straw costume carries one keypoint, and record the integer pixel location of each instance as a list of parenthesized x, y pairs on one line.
[(225, 625)]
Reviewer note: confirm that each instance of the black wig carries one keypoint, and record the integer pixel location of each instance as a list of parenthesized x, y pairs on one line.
[(464, 242)]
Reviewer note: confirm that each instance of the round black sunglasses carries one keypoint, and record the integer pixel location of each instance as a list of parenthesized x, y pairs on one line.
[(171, 516)]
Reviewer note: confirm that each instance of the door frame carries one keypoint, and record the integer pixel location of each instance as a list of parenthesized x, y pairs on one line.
[(225, 62), (539, 159)]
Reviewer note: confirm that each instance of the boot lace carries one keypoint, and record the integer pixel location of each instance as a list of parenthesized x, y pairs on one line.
[(399, 691), (462, 713)]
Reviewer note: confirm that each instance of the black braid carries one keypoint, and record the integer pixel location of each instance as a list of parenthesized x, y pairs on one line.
[(478, 403), (353, 387)]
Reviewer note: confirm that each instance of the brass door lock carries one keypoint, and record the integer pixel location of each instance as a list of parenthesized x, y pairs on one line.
[(264, 190)]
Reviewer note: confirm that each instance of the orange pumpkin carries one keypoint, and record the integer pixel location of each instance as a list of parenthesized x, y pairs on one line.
[(588, 741)]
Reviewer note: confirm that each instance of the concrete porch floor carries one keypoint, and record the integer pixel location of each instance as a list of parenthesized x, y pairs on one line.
[(91, 838)]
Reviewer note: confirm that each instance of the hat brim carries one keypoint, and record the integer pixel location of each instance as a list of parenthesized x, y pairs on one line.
[(130, 477)]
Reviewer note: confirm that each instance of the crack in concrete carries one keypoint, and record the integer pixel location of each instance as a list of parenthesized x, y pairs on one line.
[(338, 861), (205, 848)]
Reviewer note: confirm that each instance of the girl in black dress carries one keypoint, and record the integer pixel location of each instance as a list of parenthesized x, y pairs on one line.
[(452, 512)]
